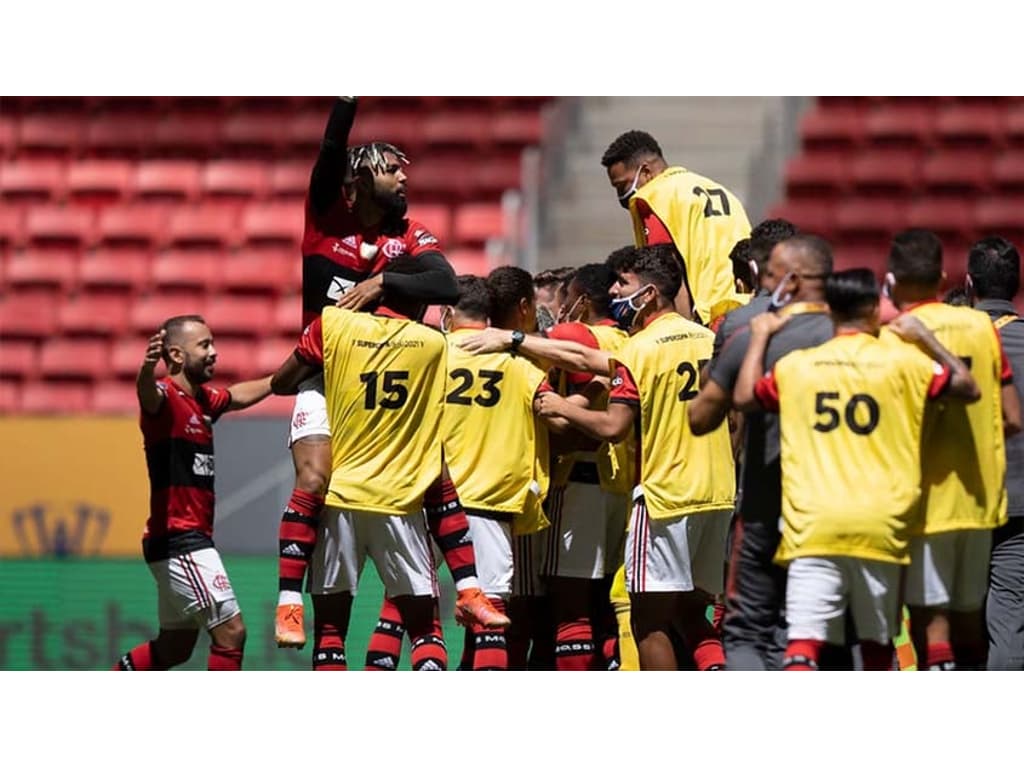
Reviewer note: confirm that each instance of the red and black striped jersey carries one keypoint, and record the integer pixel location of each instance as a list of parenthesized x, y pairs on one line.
[(178, 440), (338, 252)]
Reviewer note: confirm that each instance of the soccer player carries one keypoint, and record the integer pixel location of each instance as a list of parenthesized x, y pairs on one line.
[(672, 205), (177, 416), (963, 490), (675, 548), (850, 417), (548, 296), (754, 627), (993, 279), (355, 224), (384, 378)]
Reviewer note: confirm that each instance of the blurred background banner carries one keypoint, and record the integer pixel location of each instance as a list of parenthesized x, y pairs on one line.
[(72, 487)]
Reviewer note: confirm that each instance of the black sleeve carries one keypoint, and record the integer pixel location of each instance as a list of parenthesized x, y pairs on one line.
[(329, 170), (435, 285)]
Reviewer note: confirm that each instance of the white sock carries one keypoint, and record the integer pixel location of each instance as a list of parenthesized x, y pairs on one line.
[(289, 598), (469, 582)]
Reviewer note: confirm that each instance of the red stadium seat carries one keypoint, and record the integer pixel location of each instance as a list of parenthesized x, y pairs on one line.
[(270, 272), (832, 129), (475, 223), (112, 396), (436, 218), (126, 356), (469, 261), (274, 350), (172, 180), (290, 179), (306, 131), (1000, 216), (892, 172), (1008, 172), (402, 129), (906, 124), (239, 315), (149, 311), (814, 216), (975, 124), (1014, 124), (458, 130), (94, 314), (236, 359), (8, 136), (12, 226), (115, 269), (101, 180), (33, 180), (517, 129), (255, 132), (128, 135), (208, 225), (138, 225), (853, 256), (67, 226), (942, 215), (41, 268), (45, 398), (882, 218), (960, 172), (200, 271), (19, 358), (447, 177), (58, 135), (10, 396), (498, 174), (277, 224), (189, 135), (224, 178), (288, 316), (816, 174), (74, 358), (28, 314)]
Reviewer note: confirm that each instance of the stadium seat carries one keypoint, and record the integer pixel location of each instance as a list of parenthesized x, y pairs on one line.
[(853, 256), (122, 269), (290, 179), (496, 175), (973, 124), (469, 261), (19, 358), (816, 174), (456, 130), (53, 268), (66, 226), (902, 124), (272, 224), (28, 314), (33, 180), (886, 172), (475, 223), (943, 215), (305, 132), (255, 132), (200, 270), (149, 311), (1014, 124), (172, 180), (56, 135), (137, 225), (517, 129), (189, 135), (126, 355), (128, 135), (959, 172), (1008, 172), (100, 180), (111, 397), (832, 129), (8, 136), (436, 218), (444, 178), (101, 313), (12, 226), (274, 350), (240, 180), (288, 316), (269, 272), (1000, 216), (10, 396), (239, 315), (236, 359), (207, 225), (44, 398), (815, 216), (400, 128), (868, 217), (73, 358)]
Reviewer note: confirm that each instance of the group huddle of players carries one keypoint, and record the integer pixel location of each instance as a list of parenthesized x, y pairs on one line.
[(703, 451)]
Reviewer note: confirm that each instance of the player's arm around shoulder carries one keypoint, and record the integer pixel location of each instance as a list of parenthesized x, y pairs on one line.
[(961, 385), (247, 393), (745, 395), (151, 397)]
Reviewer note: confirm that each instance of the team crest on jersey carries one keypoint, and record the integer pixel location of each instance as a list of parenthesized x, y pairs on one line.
[(393, 248)]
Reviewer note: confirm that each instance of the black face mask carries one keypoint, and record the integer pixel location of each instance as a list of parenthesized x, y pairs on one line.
[(628, 195)]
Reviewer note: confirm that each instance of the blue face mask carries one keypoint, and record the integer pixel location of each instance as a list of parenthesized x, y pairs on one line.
[(623, 310)]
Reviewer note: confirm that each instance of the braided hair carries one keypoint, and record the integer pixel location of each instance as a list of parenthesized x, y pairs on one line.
[(371, 156)]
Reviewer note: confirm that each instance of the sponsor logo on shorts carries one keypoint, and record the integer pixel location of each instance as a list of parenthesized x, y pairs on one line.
[(221, 583), (202, 465), (299, 421)]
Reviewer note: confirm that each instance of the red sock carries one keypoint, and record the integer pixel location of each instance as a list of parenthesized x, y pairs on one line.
[(610, 652), (490, 651), (802, 655), (141, 658), (223, 659), (709, 655), (450, 529), (940, 657), (385, 648), (328, 647), (428, 651), (296, 538), (877, 656), (574, 645)]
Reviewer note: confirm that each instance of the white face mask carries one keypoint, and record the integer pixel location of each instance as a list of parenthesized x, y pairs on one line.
[(779, 300), (625, 197), (566, 315), (887, 285), (446, 321)]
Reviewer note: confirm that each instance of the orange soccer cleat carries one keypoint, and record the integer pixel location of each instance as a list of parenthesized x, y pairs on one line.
[(288, 630), (472, 607)]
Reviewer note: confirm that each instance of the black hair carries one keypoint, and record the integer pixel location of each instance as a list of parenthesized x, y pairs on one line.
[(851, 293), (957, 297), (814, 250), (594, 281), (630, 147), (622, 259), (172, 328), (740, 258), (774, 231), (474, 298), (994, 266), (507, 286), (659, 265), (555, 276), (915, 257)]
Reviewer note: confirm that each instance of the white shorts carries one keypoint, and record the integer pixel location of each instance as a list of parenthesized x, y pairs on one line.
[(819, 589), (193, 590), (949, 570), (676, 555), (492, 547), (527, 558), (309, 415), (588, 526), (399, 546)]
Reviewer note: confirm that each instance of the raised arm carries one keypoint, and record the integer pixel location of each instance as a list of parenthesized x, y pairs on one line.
[(761, 329), (151, 397), (329, 171)]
